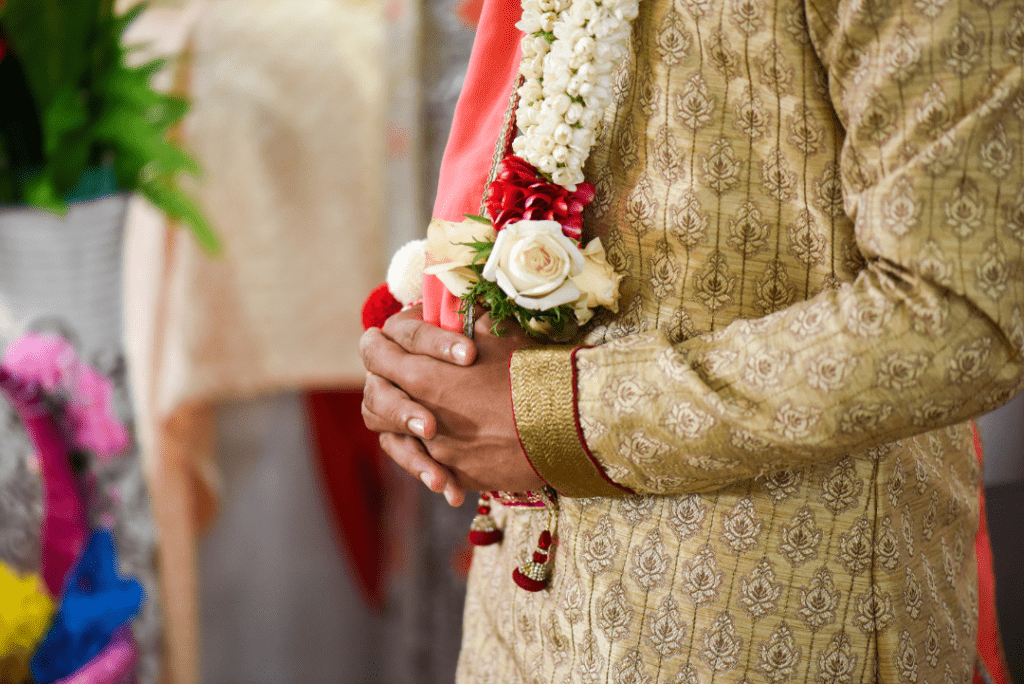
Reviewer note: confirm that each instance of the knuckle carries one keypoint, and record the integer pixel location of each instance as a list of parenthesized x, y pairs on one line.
[(410, 335), (367, 344), (417, 383), (370, 394)]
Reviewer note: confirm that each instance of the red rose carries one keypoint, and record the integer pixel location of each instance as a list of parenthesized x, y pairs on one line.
[(519, 193)]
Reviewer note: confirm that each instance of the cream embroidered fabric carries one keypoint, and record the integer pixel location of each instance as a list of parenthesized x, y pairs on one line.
[(819, 207)]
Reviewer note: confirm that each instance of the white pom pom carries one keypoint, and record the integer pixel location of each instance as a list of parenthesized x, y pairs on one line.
[(405, 274)]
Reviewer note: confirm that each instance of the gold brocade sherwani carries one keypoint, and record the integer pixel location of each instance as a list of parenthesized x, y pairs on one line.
[(820, 209)]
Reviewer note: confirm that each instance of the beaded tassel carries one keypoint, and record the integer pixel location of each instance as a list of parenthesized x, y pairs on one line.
[(533, 574), (484, 531)]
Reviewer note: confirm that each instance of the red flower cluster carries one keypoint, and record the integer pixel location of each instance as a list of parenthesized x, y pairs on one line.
[(519, 193)]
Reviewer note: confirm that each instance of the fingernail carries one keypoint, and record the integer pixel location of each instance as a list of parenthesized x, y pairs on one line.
[(417, 425), (450, 496), (425, 476), (460, 352)]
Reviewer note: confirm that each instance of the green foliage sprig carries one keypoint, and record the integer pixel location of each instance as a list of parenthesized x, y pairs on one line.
[(90, 108), (500, 305)]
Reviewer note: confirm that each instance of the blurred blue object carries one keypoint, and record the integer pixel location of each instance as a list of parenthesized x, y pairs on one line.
[(96, 602)]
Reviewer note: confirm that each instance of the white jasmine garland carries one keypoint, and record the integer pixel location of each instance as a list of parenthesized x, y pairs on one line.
[(569, 55)]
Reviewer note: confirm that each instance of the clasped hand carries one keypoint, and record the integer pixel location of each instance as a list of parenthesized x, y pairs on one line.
[(443, 406)]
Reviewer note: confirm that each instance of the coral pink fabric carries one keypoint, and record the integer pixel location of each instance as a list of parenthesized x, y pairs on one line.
[(493, 67)]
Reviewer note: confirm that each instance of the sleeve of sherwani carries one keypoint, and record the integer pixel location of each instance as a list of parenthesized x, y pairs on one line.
[(929, 333)]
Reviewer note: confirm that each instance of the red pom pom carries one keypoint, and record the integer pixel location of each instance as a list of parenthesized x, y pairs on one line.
[(481, 538), (379, 307), (528, 583)]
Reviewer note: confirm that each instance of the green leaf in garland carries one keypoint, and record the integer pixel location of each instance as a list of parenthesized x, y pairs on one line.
[(479, 219)]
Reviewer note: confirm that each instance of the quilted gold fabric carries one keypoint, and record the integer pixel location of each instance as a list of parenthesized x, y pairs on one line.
[(820, 209)]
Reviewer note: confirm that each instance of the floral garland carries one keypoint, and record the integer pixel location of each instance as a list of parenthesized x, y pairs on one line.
[(526, 260), (533, 266)]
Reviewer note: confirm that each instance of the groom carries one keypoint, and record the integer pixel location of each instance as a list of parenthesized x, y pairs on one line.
[(762, 461)]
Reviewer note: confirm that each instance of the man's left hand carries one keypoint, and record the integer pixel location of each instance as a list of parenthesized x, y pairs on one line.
[(475, 435)]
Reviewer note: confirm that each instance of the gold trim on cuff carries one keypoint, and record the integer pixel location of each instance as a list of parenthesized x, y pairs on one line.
[(543, 400)]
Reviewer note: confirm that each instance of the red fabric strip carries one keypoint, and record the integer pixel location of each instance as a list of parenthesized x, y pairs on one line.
[(351, 465), (990, 647)]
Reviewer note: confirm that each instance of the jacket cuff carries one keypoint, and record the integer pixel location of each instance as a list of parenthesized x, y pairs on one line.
[(547, 419)]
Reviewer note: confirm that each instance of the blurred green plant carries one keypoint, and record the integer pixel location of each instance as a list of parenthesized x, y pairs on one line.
[(71, 103)]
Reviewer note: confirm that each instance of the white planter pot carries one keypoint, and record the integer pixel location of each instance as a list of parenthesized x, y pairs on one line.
[(65, 272)]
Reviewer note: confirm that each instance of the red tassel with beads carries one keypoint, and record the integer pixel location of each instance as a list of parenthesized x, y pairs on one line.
[(533, 574), (484, 531)]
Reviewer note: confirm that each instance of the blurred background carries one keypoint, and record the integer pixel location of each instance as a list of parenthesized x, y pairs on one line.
[(284, 549)]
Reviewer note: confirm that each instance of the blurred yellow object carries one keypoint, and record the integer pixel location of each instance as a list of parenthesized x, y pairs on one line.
[(25, 612)]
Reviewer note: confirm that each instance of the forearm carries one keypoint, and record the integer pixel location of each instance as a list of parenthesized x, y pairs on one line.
[(929, 334)]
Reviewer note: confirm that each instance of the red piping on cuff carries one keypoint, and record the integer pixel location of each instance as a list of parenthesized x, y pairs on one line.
[(579, 428)]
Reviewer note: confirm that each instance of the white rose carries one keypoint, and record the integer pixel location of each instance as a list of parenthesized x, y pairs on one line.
[(598, 282), (449, 257), (405, 273), (532, 262)]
